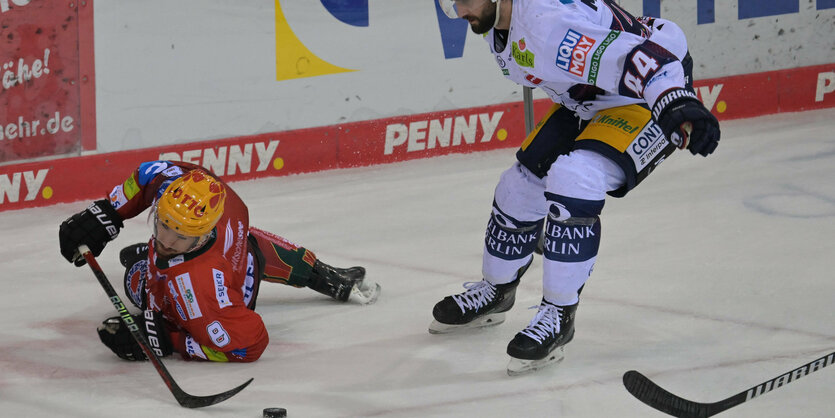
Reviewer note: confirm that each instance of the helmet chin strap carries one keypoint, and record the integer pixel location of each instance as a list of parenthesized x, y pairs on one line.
[(498, 11)]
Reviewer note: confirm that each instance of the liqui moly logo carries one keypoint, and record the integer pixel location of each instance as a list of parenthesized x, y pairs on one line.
[(573, 51)]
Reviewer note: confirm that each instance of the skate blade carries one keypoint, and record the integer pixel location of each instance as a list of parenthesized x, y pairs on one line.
[(485, 321), (518, 367), (366, 294)]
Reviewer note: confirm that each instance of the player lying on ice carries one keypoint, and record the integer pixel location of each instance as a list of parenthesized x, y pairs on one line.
[(623, 102), (197, 278)]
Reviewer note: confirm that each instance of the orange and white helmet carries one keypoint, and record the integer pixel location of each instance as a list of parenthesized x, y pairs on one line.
[(192, 204)]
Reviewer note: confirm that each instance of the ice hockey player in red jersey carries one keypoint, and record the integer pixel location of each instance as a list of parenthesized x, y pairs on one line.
[(197, 279), (623, 103)]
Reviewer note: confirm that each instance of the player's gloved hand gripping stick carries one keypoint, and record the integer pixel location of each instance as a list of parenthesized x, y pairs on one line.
[(686, 121), (185, 399)]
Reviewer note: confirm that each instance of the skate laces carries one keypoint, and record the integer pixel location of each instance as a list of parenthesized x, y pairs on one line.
[(476, 296), (546, 322)]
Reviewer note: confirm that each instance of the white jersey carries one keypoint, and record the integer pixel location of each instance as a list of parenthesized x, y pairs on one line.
[(589, 55)]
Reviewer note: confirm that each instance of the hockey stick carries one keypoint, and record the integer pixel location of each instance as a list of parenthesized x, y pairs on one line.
[(655, 396), (527, 101), (186, 400)]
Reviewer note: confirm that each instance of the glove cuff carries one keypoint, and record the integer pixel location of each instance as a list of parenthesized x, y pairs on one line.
[(668, 98)]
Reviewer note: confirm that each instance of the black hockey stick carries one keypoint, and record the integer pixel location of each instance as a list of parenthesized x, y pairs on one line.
[(186, 400), (655, 396)]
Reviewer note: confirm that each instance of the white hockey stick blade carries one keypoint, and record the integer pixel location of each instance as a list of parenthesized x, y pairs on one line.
[(517, 367), (366, 293), (485, 321)]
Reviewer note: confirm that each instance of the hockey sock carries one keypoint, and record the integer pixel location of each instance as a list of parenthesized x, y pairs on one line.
[(508, 245), (572, 239), (284, 262)]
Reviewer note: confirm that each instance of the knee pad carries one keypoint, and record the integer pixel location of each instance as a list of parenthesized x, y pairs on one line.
[(572, 230), (510, 239), (520, 194)]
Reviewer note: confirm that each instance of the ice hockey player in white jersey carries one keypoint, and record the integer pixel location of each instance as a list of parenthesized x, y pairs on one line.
[(623, 102)]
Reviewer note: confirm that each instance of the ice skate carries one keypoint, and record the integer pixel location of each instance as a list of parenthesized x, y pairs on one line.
[(543, 342), (481, 305), (343, 284)]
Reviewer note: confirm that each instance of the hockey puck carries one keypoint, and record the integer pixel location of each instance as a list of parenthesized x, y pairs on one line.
[(275, 413)]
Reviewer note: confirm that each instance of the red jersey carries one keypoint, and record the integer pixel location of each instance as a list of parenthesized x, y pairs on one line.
[(205, 296)]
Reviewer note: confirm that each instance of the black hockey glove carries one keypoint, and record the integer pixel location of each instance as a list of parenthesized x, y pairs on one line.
[(95, 226), (131, 254), (118, 338), (686, 122)]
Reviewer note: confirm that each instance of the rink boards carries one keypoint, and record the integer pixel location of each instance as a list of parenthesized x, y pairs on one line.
[(381, 141)]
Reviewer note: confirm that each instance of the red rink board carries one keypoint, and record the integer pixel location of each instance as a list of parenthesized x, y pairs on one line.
[(381, 141), (758, 94)]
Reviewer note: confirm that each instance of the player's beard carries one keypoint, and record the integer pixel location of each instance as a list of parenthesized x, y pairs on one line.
[(163, 251), (485, 22)]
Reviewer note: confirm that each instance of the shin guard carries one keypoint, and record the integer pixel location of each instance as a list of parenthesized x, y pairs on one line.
[(509, 239), (508, 245), (572, 233), (572, 238)]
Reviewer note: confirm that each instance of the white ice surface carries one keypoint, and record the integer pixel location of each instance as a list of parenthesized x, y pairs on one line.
[(713, 276)]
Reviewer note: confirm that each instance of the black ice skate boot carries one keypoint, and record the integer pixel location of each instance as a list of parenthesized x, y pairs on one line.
[(341, 284), (482, 304), (542, 342)]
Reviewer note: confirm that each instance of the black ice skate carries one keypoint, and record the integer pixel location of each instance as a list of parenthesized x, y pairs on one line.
[(481, 305), (343, 284), (542, 342)]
